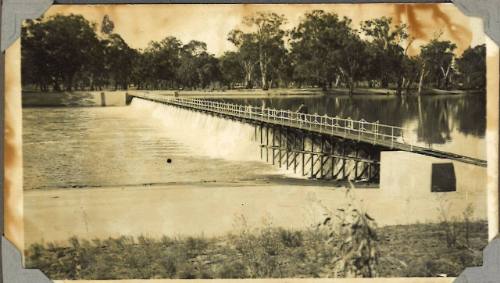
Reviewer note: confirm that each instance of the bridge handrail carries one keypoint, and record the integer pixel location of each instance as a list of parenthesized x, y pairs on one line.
[(374, 131)]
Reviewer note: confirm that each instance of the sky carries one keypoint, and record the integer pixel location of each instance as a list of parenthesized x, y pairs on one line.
[(210, 23)]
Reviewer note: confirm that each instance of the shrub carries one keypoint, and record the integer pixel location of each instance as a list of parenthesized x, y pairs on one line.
[(352, 235), (291, 239)]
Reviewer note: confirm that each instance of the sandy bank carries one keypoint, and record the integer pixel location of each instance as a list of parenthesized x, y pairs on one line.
[(201, 209)]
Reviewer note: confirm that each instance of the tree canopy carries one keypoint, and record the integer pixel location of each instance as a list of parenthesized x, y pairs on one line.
[(67, 52)]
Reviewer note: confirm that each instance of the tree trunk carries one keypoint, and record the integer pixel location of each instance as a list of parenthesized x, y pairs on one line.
[(263, 68), (68, 82), (351, 86), (248, 68), (248, 80), (445, 75), (324, 86), (263, 72), (421, 81), (400, 84), (384, 82), (403, 85)]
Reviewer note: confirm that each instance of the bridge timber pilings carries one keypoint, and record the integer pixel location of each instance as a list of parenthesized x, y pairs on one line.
[(319, 137)]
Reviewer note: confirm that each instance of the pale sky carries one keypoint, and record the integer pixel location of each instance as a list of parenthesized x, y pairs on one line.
[(210, 23)]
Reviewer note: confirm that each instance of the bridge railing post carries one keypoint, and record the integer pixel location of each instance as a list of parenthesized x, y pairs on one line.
[(360, 126), (392, 137)]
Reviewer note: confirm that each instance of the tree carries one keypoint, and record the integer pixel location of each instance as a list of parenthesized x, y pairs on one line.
[(197, 67), (188, 72), (34, 68), (386, 51), (409, 72), (472, 67), (107, 26), (163, 59), (326, 49), (208, 71), (231, 71), (283, 69), (60, 46), (437, 61), (269, 38), (351, 58), (120, 59), (247, 53), (312, 42)]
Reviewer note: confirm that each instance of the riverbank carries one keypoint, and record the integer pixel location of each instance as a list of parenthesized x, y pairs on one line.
[(73, 99), (419, 250), (115, 98), (210, 209)]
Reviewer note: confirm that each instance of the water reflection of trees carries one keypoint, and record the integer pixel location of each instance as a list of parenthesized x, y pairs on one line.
[(435, 117)]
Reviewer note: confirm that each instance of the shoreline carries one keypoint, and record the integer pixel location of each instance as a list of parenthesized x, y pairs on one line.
[(89, 95), (107, 98)]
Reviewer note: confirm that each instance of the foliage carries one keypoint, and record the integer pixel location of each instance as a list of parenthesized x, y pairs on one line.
[(354, 236), (472, 68), (318, 44), (229, 64), (385, 51), (107, 26), (438, 57), (69, 53), (269, 40), (403, 250), (56, 50)]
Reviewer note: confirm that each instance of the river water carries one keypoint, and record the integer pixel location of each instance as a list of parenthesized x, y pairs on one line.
[(131, 145)]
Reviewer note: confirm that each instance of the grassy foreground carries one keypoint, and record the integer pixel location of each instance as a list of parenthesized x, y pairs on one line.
[(417, 250)]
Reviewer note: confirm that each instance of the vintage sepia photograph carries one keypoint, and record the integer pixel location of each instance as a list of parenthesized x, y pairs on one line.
[(211, 141)]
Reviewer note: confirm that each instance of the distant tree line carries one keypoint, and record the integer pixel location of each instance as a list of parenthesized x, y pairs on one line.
[(323, 50)]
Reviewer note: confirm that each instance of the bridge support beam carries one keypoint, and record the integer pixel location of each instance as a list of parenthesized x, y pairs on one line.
[(318, 156)]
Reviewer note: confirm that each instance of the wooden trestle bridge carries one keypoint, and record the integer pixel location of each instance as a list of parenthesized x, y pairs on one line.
[(318, 147)]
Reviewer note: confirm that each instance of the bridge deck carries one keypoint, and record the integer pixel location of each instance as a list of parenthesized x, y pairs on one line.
[(375, 133)]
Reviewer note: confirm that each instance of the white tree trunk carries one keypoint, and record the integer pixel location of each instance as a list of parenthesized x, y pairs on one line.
[(421, 81)]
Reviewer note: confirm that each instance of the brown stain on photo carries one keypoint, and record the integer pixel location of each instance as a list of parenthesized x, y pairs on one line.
[(417, 27), (492, 131), (13, 191)]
